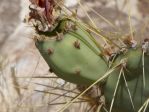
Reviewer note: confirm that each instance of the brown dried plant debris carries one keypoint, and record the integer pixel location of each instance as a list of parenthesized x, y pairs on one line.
[(48, 6)]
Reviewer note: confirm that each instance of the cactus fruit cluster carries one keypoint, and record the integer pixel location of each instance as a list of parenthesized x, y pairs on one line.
[(72, 54)]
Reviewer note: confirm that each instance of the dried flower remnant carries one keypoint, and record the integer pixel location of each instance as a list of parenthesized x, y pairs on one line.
[(42, 11), (39, 3)]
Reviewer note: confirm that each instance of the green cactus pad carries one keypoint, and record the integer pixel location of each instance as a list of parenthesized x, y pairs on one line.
[(73, 58), (138, 93), (133, 62)]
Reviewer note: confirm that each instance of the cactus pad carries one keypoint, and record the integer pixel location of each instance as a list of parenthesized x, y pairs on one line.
[(74, 58), (138, 92)]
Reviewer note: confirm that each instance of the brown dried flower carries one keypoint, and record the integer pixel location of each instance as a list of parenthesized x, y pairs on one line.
[(47, 6)]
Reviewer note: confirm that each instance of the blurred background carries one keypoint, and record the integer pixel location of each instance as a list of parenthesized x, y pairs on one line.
[(25, 82)]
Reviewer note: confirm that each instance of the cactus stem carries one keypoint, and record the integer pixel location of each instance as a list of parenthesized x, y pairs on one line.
[(50, 51), (77, 44)]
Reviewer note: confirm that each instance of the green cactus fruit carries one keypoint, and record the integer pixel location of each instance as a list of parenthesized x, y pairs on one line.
[(139, 93), (75, 58), (133, 59)]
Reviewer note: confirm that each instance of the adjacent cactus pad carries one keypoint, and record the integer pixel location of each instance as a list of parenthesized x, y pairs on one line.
[(74, 57), (130, 94), (133, 59)]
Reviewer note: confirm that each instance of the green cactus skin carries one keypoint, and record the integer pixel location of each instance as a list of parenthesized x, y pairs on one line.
[(139, 94), (75, 58), (133, 59)]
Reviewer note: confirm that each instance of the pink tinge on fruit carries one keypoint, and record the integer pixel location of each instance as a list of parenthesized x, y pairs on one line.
[(47, 5), (39, 3)]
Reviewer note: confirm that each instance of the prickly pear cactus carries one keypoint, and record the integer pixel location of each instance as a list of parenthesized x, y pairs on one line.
[(125, 93), (73, 56), (128, 102), (133, 58)]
